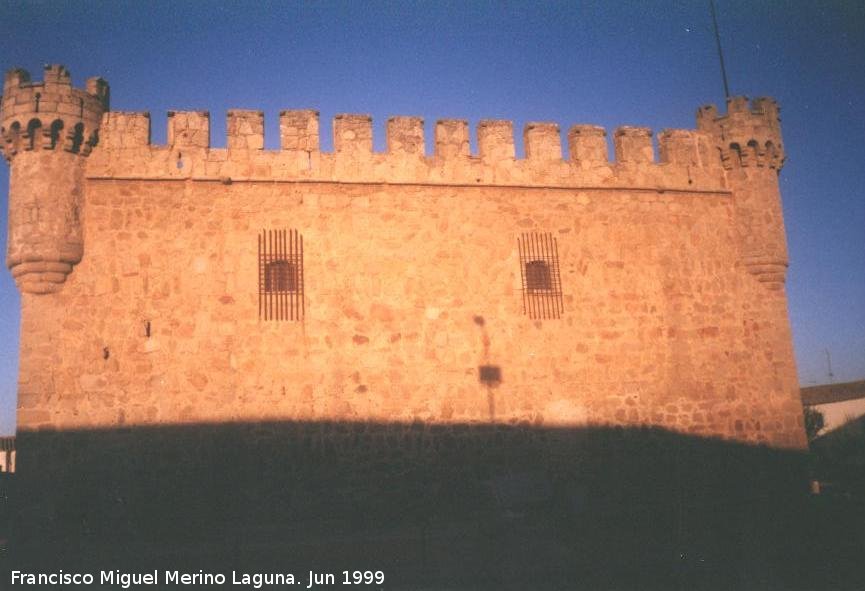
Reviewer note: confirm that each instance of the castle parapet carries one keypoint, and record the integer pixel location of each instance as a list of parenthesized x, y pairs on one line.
[(587, 145), (405, 136), (245, 130), (686, 156), (679, 146), (542, 142), (496, 141), (189, 129), (452, 139), (633, 145), (298, 131), (125, 130), (352, 135), (15, 78)]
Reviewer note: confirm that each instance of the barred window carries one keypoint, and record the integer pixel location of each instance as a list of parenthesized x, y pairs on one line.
[(280, 275), (541, 279), (538, 277)]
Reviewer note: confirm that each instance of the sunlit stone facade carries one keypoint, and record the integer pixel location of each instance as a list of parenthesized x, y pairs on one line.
[(432, 286)]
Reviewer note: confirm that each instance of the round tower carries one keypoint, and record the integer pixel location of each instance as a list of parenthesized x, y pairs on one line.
[(48, 128), (748, 139)]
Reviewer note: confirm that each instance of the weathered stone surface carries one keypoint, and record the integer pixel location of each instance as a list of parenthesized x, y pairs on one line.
[(674, 313)]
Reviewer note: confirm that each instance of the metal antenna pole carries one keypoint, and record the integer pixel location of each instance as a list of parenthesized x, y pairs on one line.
[(829, 366), (720, 51)]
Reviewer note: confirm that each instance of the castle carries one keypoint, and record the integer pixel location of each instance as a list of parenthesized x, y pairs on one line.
[(480, 362), (182, 283)]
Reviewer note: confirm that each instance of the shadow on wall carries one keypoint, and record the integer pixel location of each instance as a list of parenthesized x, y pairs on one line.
[(456, 507)]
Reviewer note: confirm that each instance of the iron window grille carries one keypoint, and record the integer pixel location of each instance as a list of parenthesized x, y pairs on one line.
[(540, 276), (280, 275)]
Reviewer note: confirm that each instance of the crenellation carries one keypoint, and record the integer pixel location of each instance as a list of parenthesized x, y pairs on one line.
[(245, 129), (98, 87), (352, 135), (353, 158), (679, 146), (299, 131), (587, 145), (405, 136), (588, 165), (738, 104), (767, 106), (496, 141), (707, 114), (543, 142), (188, 129), (56, 74), (452, 139), (38, 111), (633, 145), (120, 130), (15, 78)]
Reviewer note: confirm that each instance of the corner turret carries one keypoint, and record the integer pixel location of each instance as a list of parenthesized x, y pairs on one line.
[(749, 135), (47, 129), (748, 140)]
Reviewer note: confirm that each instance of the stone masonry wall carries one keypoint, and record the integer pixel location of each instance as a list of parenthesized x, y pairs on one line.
[(674, 309), (395, 278)]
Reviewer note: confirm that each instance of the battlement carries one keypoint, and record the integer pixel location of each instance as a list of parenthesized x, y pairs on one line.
[(51, 114), (735, 154), (749, 135), (685, 157)]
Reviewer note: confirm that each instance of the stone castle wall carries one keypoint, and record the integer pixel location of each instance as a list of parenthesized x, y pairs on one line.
[(673, 308)]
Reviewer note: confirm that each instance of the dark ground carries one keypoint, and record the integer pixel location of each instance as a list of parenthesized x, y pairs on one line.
[(459, 507)]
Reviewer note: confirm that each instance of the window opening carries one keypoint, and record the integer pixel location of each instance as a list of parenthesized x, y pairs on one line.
[(540, 275), (280, 275), (56, 130), (77, 137), (34, 134)]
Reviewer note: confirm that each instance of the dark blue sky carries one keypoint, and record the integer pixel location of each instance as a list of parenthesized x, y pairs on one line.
[(607, 63)]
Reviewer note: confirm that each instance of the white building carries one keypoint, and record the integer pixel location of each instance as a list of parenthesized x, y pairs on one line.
[(7, 454), (838, 403)]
